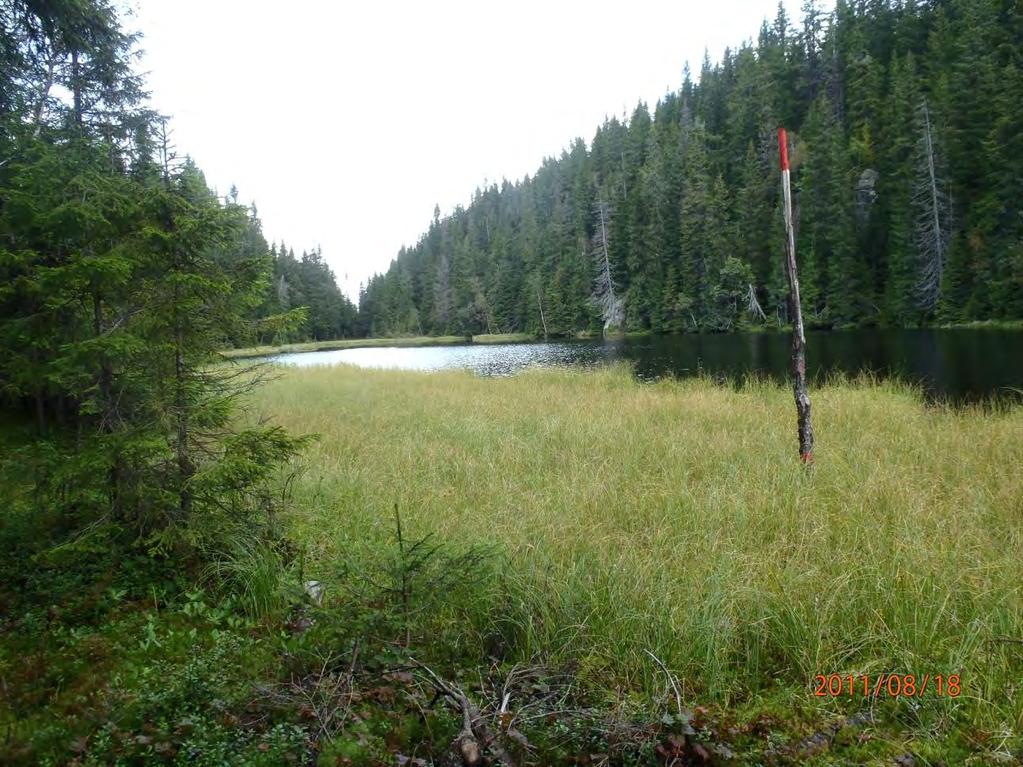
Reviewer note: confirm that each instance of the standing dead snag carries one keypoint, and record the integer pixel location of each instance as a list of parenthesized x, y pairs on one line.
[(752, 305), (539, 302), (610, 305), (805, 427), (933, 205)]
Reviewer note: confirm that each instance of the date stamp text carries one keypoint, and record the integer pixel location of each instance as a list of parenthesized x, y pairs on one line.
[(889, 685)]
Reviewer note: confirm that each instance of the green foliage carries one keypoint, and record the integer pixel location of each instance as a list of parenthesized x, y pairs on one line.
[(253, 570), (639, 530), (630, 518), (834, 280), (111, 677), (418, 583), (695, 179), (303, 301), (122, 277)]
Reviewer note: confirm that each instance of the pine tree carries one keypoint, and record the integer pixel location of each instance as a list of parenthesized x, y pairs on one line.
[(705, 236)]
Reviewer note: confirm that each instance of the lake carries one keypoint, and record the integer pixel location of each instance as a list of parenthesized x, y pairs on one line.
[(957, 364)]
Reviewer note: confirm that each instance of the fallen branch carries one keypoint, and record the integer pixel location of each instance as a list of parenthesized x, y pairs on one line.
[(469, 744)]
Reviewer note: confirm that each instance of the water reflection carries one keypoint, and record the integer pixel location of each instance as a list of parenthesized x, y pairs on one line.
[(483, 359), (957, 364)]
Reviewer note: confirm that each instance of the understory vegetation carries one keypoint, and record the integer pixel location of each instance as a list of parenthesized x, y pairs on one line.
[(608, 572), (672, 518)]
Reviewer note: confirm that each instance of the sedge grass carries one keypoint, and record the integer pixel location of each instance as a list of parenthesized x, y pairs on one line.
[(674, 517)]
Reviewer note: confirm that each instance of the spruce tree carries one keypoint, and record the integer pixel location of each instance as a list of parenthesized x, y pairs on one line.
[(123, 276)]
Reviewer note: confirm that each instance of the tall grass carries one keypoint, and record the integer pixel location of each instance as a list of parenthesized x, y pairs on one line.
[(675, 517), (255, 571)]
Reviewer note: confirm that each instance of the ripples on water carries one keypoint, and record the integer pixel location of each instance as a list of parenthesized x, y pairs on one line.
[(957, 364), (483, 359)]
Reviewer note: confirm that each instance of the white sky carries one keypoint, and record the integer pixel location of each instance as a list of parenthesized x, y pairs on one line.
[(347, 121)]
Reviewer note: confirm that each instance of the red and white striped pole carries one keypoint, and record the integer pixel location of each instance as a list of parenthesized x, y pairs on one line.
[(805, 427)]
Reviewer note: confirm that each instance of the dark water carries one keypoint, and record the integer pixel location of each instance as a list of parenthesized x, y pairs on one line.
[(961, 365)]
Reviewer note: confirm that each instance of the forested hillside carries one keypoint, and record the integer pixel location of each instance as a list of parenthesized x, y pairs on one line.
[(908, 163), (308, 283)]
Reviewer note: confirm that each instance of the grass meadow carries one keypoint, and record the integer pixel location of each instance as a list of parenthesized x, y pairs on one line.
[(674, 518)]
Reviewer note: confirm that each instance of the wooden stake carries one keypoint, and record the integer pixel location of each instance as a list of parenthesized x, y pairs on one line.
[(805, 427)]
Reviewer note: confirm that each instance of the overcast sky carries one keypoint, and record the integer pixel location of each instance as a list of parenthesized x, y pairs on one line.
[(347, 121)]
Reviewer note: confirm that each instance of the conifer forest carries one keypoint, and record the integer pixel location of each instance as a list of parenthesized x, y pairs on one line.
[(908, 185)]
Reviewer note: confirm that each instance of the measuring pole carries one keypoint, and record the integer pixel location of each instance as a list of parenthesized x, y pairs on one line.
[(795, 310)]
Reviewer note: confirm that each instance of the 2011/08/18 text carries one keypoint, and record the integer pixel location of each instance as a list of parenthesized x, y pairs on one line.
[(892, 685)]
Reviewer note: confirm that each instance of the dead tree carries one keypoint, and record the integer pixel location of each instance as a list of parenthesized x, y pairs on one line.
[(804, 425), (42, 95), (753, 305), (442, 299), (539, 302), (610, 305), (481, 303), (933, 212)]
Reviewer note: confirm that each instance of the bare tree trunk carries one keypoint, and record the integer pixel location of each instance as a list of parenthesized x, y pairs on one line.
[(539, 302), (607, 258), (442, 291), (76, 87), (929, 139), (933, 206), (480, 299), (184, 461), (44, 93), (604, 287), (802, 396)]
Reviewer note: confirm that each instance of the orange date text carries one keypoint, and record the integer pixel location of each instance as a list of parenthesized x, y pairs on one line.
[(889, 685)]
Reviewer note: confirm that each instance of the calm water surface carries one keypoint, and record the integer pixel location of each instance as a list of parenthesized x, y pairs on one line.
[(956, 364)]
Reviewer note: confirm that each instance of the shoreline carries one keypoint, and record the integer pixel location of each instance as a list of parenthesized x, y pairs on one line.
[(253, 352), (360, 343)]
